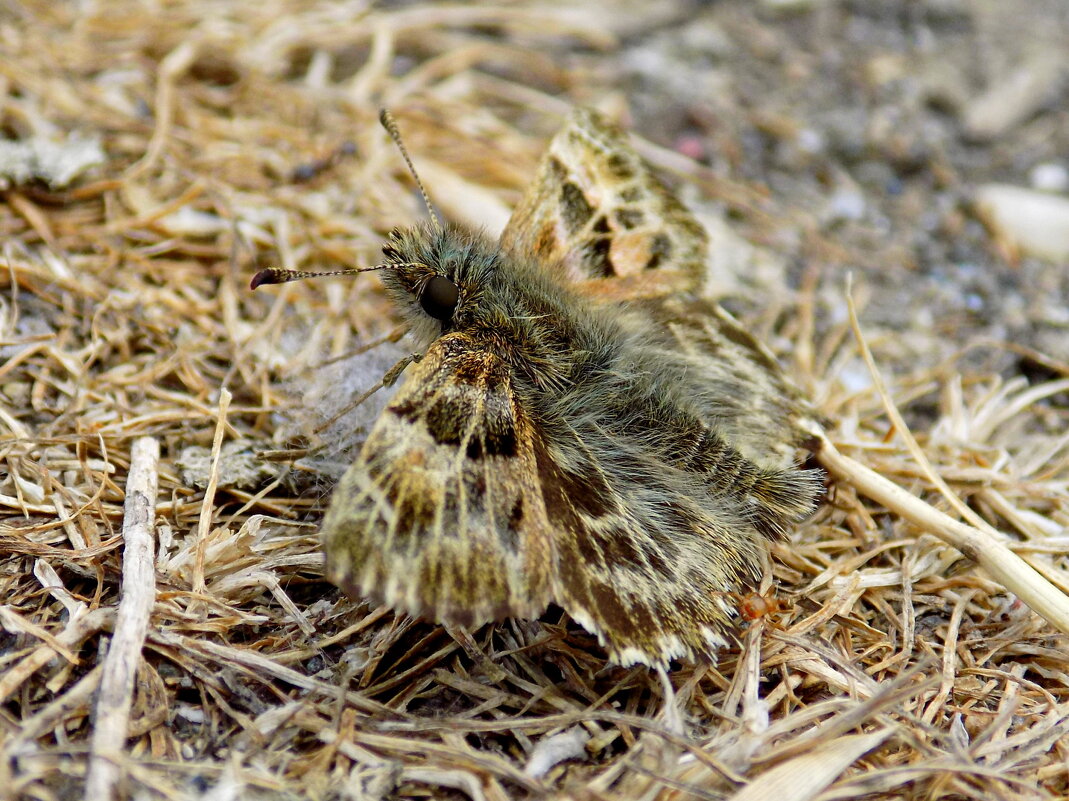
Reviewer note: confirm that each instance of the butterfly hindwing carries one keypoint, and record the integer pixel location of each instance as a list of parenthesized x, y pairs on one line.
[(754, 403), (642, 550)]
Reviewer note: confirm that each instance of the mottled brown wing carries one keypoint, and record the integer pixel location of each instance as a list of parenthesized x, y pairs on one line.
[(600, 216), (441, 515), (755, 405), (596, 212), (648, 550)]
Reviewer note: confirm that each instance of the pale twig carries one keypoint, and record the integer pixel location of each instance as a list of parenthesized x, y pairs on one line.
[(981, 542), (171, 69), (131, 624), (985, 549), (900, 426), (205, 521)]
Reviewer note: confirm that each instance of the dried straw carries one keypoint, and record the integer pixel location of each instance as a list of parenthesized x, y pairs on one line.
[(239, 136)]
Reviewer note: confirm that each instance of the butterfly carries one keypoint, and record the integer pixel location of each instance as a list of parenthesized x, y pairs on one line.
[(580, 425)]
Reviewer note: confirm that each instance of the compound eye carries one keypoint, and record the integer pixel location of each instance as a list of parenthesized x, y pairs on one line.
[(439, 298)]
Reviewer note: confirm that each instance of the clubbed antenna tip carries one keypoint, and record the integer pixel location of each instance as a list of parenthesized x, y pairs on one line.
[(278, 275)]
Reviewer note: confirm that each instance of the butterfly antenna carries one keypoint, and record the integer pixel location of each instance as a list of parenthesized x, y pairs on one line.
[(390, 124), (279, 275)]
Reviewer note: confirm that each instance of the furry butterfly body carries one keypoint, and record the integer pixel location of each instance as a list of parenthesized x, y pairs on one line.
[(582, 426)]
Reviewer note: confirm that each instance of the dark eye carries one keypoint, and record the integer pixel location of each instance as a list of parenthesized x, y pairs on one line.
[(439, 298)]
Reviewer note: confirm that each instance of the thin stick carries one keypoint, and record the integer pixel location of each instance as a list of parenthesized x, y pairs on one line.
[(900, 426), (171, 69), (205, 521), (992, 555), (77, 632), (131, 624), (980, 542), (74, 702)]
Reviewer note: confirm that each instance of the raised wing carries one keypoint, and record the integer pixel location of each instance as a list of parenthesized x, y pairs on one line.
[(598, 215), (596, 212)]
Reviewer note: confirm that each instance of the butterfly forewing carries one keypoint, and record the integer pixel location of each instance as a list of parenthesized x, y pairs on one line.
[(605, 222), (437, 516)]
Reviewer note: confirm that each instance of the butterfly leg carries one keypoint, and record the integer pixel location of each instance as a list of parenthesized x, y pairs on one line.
[(394, 372)]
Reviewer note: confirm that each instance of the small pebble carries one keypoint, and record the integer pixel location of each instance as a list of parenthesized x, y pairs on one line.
[(556, 748), (848, 203), (1049, 177), (810, 141), (1035, 223), (692, 147), (1013, 99)]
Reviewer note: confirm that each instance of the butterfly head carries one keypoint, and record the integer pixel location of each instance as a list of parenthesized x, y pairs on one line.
[(438, 278), (444, 279)]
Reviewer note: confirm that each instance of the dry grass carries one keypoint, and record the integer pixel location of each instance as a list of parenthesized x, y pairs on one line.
[(896, 668)]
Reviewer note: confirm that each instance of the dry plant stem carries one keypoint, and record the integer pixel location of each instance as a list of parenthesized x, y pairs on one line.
[(979, 542), (1000, 562), (171, 68), (76, 632), (74, 702), (207, 505), (131, 625), (900, 426)]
